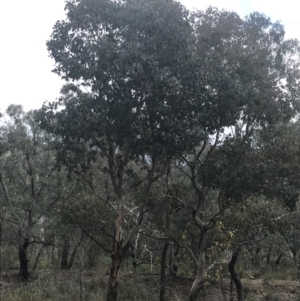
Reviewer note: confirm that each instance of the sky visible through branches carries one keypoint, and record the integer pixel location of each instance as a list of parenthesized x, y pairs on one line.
[(26, 76)]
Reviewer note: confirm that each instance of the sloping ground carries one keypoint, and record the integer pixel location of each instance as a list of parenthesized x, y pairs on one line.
[(58, 285)]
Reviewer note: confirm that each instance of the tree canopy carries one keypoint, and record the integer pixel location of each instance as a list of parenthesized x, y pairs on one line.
[(169, 115)]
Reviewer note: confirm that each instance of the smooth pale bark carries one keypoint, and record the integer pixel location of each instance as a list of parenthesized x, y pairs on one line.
[(120, 250), (198, 282)]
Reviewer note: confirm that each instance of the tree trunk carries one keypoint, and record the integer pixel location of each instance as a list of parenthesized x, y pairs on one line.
[(270, 249), (65, 264), (65, 253), (72, 259), (234, 275), (198, 282), (256, 257), (23, 245), (162, 296), (231, 290), (296, 258), (277, 262), (172, 271), (23, 235), (1, 245), (53, 252), (37, 258), (112, 293)]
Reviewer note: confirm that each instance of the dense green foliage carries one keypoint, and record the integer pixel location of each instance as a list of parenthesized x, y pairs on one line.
[(174, 144)]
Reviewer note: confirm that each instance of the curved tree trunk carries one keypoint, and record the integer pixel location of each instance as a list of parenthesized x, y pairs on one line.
[(198, 282), (234, 275)]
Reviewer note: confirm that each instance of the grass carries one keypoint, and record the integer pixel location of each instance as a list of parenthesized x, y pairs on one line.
[(140, 284), (266, 273), (58, 285)]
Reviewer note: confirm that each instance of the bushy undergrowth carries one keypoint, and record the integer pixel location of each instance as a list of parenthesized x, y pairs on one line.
[(285, 271), (57, 285), (140, 284)]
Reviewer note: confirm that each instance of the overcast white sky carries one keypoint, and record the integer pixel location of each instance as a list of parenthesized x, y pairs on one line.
[(25, 26)]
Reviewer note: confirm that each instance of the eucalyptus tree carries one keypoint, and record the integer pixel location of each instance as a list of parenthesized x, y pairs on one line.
[(29, 184), (269, 182), (247, 79), (247, 226), (281, 167), (126, 61), (150, 81)]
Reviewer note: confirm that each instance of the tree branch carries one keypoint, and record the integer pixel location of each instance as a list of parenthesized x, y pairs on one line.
[(190, 252)]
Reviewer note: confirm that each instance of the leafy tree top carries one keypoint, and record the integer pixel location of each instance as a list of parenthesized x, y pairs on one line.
[(149, 77)]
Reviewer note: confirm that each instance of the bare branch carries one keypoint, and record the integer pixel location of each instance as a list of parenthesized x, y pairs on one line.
[(151, 179), (174, 197), (213, 220), (183, 171), (213, 265), (190, 252), (201, 151), (199, 222), (154, 237), (93, 238), (284, 215)]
